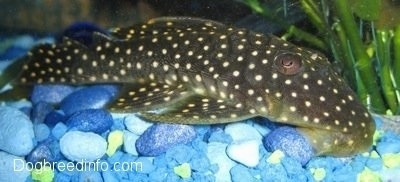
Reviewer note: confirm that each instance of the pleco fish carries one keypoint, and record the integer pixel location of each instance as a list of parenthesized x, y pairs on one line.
[(195, 71)]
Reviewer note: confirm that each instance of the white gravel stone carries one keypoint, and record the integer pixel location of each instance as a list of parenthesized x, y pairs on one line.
[(16, 132), (12, 168), (245, 152), (82, 146), (136, 125)]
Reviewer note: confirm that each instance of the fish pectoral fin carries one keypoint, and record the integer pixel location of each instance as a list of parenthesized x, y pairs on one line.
[(199, 110), (147, 96)]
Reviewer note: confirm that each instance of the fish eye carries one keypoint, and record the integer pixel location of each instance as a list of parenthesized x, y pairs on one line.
[(288, 63)]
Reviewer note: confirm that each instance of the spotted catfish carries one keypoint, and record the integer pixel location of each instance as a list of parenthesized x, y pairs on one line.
[(195, 71)]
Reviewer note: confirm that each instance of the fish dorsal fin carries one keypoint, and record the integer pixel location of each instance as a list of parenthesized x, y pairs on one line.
[(183, 22), (198, 109), (149, 96), (167, 25)]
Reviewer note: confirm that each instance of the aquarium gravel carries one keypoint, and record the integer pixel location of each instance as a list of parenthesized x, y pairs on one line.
[(87, 143)]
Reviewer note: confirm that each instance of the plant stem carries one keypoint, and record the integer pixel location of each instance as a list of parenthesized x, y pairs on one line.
[(396, 62), (335, 37), (312, 11), (382, 40), (345, 57), (363, 63), (310, 38), (292, 30)]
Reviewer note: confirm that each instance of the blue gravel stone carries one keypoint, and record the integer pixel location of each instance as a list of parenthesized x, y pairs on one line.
[(375, 164), (160, 137), (93, 97), (172, 177), (52, 94), (294, 169), (180, 153), (200, 164), (358, 163), (292, 143), (109, 175), (274, 172), (203, 131), (59, 130), (62, 166), (345, 173), (48, 151), (241, 173), (391, 146), (39, 111), (78, 146), (390, 136), (54, 117), (160, 161), (115, 158), (220, 136), (42, 131), (90, 120), (39, 154), (62, 177), (326, 162), (199, 145), (89, 176), (128, 158), (118, 124), (146, 165), (329, 164), (123, 175), (16, 132), (137, 177), (158, 175), (12, 168), (202, 177)]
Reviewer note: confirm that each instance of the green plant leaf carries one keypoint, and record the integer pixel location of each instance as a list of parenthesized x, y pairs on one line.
[(366, 9)]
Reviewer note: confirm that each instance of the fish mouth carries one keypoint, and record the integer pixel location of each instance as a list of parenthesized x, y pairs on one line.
[(337, 134), (339, 143), (328, 114)]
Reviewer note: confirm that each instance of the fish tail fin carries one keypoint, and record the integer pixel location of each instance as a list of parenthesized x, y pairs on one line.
[(45, 63), (11, 72), (7, 77), (72, 62), (52, 63)]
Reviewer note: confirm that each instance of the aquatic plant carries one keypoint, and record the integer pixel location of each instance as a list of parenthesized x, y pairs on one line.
[(362, 37)]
